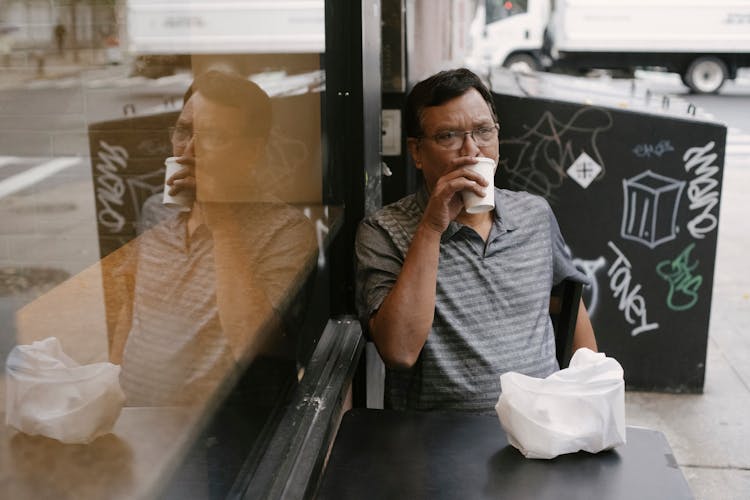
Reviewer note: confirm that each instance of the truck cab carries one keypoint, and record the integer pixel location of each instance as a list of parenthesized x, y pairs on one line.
[(509, 33)]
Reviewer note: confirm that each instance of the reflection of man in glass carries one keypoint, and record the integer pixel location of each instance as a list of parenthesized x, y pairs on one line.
[(209, 286)]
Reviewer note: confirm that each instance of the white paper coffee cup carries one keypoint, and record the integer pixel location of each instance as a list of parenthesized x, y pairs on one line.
[(184, 199), (477, 204)]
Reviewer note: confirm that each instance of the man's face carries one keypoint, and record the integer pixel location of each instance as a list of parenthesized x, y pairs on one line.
[(464, 113), (183, 129), (225, 155)]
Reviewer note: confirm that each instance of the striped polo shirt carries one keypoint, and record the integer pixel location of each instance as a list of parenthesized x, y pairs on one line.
[(492, 299), (177, 351)]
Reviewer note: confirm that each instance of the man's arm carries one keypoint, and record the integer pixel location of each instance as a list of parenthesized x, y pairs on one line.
[(402, 323), (119, 274), (584, 333), (258, 264), (564, 268)]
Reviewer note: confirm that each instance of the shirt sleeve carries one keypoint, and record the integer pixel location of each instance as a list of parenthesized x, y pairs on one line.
[(379, 263), (562, 262)]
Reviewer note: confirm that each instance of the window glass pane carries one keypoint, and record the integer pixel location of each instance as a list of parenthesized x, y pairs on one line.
[(499, 9), (200, 298)]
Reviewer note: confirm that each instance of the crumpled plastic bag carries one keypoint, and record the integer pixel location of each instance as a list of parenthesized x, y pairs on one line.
[(581, 407), (50, 394)]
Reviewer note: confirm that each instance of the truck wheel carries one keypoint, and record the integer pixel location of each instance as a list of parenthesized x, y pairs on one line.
[(523, 63), (705, 75)]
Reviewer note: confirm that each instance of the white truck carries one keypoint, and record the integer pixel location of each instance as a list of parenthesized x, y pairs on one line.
[(168, 31), (230, 26), (704, 42)]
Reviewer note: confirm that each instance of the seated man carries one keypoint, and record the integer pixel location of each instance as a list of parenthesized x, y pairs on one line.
[(452, 300)]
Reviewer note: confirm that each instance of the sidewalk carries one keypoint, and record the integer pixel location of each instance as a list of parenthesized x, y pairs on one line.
[(710, 432), (26, 66)]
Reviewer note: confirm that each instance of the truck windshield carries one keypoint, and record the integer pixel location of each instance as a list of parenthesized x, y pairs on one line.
[(500, 9)]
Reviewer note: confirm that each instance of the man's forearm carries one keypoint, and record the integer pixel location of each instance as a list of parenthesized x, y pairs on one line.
[(401, 325), (584, 332)]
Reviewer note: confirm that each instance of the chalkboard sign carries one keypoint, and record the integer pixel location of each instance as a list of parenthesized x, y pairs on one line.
[(127, 162), (637, 199)]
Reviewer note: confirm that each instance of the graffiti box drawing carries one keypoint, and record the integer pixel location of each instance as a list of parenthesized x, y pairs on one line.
[(650, 208)]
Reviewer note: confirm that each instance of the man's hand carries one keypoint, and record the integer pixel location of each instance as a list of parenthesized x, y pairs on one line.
[(184, 179), (445, 201)]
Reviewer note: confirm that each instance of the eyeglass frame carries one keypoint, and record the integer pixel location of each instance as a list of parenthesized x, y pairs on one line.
[(463, 134), (191, 133)]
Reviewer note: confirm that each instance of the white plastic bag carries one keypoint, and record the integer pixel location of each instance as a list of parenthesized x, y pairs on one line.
[(49, 394), (579, 408)]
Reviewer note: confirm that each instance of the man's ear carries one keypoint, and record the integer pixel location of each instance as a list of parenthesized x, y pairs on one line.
[(416, 154)]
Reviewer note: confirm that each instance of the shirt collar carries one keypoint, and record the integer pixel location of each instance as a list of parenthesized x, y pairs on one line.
[(503, 218)]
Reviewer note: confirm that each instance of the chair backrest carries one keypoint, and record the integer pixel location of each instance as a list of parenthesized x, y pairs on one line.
[(564, 301)]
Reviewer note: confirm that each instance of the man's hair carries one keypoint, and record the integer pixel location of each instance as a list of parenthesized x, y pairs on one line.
[(439, 89), (233, 90)]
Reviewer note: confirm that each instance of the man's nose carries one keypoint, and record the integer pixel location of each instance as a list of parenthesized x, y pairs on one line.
[(469, 146)]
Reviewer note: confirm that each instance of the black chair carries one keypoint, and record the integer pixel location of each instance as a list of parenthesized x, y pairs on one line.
[(563, 309), (565, 298)]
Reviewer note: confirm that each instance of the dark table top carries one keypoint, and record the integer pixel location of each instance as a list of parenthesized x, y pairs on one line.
[(382, 454)]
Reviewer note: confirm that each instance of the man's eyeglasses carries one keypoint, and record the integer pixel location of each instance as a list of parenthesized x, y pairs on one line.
[(180, 135), (209, 140), (454, 139)]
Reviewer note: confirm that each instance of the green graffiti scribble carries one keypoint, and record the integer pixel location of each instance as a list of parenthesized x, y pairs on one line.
[(678, 273)]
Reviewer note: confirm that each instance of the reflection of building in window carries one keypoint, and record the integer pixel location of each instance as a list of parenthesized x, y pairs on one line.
[(650, 208)]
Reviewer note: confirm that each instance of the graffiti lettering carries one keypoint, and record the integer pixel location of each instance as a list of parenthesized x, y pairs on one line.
[(539, 158), (701, 190), (678, 273), (631, 302), (590, 268), (321, 231), (110, 187), (647, 150)]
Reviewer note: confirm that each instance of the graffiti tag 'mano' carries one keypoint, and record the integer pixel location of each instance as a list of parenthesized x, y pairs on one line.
[(701, 190), (110, 188)]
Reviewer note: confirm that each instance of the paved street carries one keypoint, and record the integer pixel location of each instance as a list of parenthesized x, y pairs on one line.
[(47, 215)]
